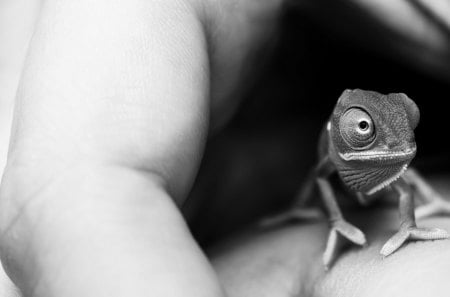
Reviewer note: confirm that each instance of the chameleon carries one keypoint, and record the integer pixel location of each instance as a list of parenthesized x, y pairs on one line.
[(369, 142)]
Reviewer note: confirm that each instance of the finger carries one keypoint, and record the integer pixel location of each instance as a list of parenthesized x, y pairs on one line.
[(278, 262), (287, 262), (109, 126), (416, 269), (16, 25), (7, 288), (240, 33)]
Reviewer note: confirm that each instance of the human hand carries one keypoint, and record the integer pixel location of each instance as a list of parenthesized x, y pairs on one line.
[(287, 260), (111, 118)]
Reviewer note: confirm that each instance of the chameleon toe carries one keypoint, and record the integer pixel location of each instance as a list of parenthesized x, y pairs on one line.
[(331, 250), (341, 232), (412, 233), (350, 232), (429, 234), (395, 242)]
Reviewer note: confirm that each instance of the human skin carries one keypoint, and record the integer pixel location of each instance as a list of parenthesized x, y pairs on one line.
[(112, 112), (287, 260)]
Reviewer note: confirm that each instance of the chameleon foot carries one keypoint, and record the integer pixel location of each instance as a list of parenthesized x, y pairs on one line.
[(301, 214), (412, 233), (339, 230), (438, 207)]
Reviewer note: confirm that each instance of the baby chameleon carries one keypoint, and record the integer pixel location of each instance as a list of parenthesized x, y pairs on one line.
[(369, 142)]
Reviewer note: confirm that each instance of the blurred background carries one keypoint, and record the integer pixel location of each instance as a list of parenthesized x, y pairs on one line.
[(256, 163)]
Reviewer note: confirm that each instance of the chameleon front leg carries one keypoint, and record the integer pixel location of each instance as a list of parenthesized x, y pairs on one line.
[(339, 227), (433, 202), (299, 210), (297, 213), (408, 228)]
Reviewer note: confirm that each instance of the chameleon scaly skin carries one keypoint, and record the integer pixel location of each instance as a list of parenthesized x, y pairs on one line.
[(371, 138), (369, 142)]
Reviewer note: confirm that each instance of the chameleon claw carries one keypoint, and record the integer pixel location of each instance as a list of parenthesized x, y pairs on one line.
[(394, 243), (340, 230), (412, 233), (429, 234), (331, 250), (350, 232)]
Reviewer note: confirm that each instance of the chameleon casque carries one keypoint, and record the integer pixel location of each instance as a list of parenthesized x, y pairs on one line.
[(369, 142)]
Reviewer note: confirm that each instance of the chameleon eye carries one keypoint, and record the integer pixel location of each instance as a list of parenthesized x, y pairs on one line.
[(357, 128)]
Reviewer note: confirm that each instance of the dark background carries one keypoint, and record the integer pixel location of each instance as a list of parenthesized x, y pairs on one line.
[(255, 165)]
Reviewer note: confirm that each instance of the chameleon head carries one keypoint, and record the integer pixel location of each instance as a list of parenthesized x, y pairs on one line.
[(372, 138)]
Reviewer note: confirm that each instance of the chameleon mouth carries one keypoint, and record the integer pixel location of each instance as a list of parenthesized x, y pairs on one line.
[(389, 181), (397, 156)]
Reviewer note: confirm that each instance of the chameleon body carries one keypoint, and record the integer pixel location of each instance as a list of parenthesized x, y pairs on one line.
[(369, 142)]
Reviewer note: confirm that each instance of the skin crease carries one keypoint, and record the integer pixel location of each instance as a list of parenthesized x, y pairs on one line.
[(80, 211)]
